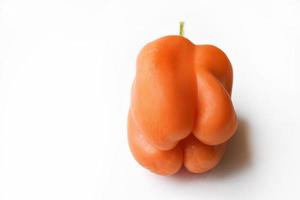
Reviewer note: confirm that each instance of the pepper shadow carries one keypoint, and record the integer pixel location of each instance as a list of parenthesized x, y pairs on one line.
[(236, 160)]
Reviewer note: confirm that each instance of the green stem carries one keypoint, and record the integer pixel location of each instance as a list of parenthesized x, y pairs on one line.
[(181, 28)]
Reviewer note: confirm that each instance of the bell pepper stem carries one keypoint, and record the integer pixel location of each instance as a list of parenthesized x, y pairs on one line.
[(181, 28)]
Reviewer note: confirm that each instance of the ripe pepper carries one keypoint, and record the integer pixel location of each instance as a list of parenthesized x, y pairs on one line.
[(181, 113)]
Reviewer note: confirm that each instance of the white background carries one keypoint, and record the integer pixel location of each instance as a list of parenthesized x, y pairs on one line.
[(66, 69)]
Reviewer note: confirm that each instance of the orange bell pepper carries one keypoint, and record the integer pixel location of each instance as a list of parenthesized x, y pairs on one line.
[(181, 112)]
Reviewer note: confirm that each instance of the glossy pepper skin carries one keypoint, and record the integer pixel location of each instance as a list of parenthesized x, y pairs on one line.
[(181, 112)]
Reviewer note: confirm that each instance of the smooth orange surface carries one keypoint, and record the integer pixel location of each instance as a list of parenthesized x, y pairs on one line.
[(181, 111)]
